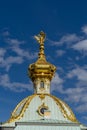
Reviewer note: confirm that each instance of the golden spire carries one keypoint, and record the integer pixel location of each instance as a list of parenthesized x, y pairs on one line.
[(40, 39), (41, 72)]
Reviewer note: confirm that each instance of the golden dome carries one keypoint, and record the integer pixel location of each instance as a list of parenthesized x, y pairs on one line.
[(41, 68)]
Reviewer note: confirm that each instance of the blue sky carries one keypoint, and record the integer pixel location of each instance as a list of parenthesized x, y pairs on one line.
[(65, 24)]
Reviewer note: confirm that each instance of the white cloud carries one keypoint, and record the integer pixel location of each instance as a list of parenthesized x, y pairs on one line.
[(79, 73), (12, 59), (81, 46), (82, 108), (14, 86), (84, 117), (60, 52), (67, 39), (77, 58), (56, 84), (23, 53), (15, 42), (78, 93), (2, 52), (14, 45), (9, 61), (5, 33), (84, 29)]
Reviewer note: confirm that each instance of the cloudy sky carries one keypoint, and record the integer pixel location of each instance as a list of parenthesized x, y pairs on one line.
[(65, 25)]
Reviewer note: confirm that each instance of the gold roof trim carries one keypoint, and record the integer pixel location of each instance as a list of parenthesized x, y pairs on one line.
[(15, 116), (42, 96), (59, 102)]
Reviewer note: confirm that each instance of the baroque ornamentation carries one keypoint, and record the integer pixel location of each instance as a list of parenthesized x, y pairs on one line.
[(41, 109)]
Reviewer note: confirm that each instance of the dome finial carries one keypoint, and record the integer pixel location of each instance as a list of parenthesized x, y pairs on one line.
[(40, 39)]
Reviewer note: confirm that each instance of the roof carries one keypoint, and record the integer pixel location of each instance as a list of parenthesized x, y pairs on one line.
[(28, 110)]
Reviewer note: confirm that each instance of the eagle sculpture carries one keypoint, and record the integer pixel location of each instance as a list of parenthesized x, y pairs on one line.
[(40, 37)]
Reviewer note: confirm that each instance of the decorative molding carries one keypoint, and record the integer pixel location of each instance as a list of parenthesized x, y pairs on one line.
[(41, 109), (42, 96)]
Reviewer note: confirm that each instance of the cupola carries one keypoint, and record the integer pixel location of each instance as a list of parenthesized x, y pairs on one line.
[(41, 72)]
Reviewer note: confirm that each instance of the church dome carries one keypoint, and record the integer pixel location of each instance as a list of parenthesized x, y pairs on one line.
[(40, 107)]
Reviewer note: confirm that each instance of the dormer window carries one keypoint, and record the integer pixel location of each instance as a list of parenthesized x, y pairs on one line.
[(41, 84)]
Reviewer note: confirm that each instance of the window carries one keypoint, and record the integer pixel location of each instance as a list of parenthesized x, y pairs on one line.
[(42, 84)]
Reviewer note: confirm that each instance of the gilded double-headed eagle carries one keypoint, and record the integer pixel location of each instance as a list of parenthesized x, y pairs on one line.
[(40, 37)]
